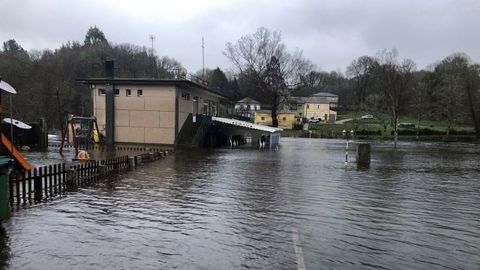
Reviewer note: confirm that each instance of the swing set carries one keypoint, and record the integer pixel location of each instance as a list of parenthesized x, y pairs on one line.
[(83, 130)]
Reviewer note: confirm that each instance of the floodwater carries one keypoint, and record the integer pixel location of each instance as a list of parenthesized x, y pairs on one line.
[(417, 207)]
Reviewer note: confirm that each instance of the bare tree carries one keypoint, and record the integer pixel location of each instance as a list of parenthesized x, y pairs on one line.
[(395, 77), (361, 72), (459, 82), (420, 98), (263, 57)]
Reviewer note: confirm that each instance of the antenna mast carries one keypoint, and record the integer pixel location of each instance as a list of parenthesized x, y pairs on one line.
[(203, 59), (154, 66), (152, 39)]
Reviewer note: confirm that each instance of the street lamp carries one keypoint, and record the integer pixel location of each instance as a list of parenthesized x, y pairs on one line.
[(347, 135)]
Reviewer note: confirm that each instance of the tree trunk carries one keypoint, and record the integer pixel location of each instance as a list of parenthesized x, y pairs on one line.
[(417, 137), (395, 133), (395, 128), (447, 135), (471, 105), (274, 115)]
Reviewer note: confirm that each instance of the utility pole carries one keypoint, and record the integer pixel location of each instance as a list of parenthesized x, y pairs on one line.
[(154, 66), (203, 59)]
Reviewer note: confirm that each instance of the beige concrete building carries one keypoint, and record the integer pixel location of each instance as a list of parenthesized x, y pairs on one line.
[(320, 106), (151, 111)]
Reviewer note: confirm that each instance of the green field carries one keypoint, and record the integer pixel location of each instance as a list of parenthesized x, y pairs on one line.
[(379, 119), (374, 129)]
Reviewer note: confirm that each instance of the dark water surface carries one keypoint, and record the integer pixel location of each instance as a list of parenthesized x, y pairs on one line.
[(414, 208)]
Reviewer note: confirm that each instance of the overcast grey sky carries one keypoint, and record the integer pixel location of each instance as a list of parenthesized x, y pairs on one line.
[(330, 33)]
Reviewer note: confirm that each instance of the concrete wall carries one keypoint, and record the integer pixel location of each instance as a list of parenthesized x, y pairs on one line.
[(186, 104), (150, 118), (147, 118)]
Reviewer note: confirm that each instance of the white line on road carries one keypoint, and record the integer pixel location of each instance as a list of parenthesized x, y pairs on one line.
[(298, 250)]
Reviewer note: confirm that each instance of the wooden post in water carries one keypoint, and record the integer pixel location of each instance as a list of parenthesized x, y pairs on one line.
[(363, 154), (37, 186), (131, 162), (43, 134), (102, 170), (71, 182), (138, 160)]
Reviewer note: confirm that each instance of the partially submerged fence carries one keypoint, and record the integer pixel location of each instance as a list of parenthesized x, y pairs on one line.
[(44, 183)]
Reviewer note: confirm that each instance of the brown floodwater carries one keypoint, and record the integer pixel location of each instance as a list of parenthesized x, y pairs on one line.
[(417, 207)]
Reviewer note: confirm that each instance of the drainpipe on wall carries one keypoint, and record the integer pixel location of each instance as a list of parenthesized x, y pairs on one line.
[(109, 105)]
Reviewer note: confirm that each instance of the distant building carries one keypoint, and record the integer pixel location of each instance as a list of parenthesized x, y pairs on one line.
[(320, 106), (247, 107), (151, 111), (286, 119)]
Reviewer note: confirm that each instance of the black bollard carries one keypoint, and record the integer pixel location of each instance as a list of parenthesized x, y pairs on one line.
[(363, 153)]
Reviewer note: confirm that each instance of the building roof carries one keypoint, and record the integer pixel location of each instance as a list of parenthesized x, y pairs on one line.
[(278, 112), (246, 124), (144, 81), (298, 100), (248, 100), (313, 99), (324, 94)]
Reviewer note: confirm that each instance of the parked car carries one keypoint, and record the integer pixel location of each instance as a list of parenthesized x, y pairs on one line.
[(314, 120), (406, 125), (367, 116)]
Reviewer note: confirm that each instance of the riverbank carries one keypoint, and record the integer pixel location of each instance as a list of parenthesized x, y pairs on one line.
[(337, 134)]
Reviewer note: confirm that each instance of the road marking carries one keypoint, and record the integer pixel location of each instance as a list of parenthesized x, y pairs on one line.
[(298, 250)]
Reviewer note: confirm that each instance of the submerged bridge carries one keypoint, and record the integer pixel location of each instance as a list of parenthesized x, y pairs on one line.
[(208, 131)]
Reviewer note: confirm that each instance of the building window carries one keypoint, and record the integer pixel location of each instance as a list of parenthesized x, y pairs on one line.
[(117, 92), (318, 106), (205, 107), (139, 92), (308, 106), (185, 96), (128, 92), (101, 92), (263, 118), (284, 118)]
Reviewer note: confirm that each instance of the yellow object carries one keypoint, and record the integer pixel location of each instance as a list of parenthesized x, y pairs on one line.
[(286, 120), (96, 137), (16, 155)]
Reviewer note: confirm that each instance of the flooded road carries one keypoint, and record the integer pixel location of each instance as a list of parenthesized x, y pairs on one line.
[(417, 207)]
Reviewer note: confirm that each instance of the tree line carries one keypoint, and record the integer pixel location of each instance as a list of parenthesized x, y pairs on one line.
[(264, 69), (448, 90), (46, 80)]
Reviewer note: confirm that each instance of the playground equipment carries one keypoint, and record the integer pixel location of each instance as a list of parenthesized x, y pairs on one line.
[(7, 147), (83, 130)]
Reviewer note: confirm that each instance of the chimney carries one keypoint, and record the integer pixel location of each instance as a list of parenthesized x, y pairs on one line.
[(110, 105)]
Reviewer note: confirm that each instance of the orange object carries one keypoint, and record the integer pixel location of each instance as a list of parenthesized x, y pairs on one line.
[(83, 156), (16, 155)]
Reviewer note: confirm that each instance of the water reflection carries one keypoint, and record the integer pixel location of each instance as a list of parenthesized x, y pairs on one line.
[(414, 208), (4, 249)]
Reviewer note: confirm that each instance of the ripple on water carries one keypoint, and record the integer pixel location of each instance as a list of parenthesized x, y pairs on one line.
[(414, 208)]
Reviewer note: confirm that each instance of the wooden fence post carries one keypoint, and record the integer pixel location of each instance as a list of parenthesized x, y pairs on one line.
[(71, 183), (37, 186)]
